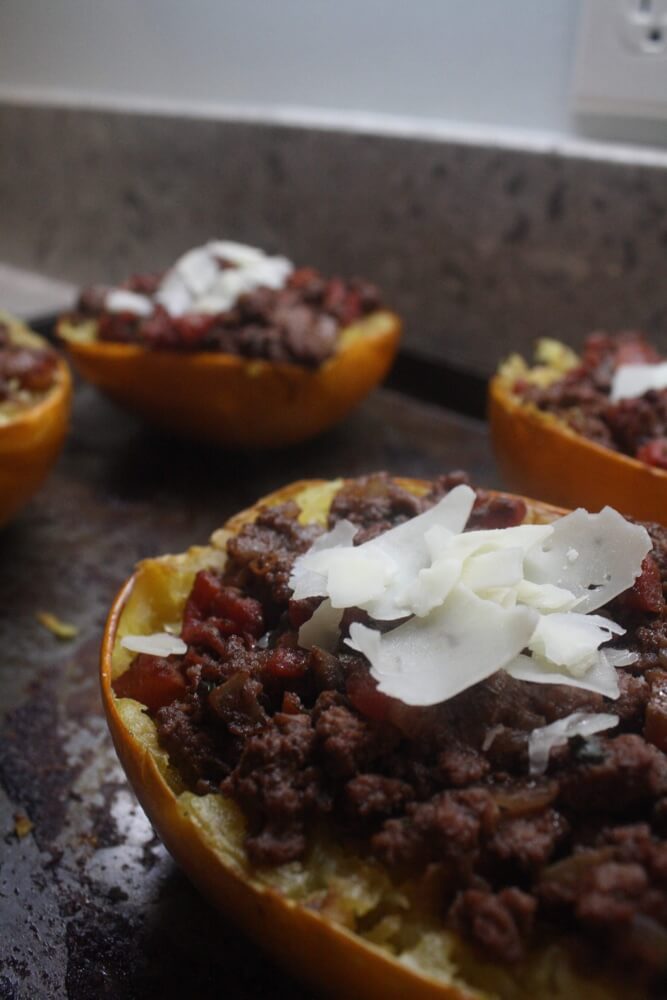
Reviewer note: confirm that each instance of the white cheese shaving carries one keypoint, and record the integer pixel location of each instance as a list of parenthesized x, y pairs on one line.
[(571, 640), (601, 677), (428, 660), (322, 628), (541, 741), (610, 553), (158, 644), (120, 300), (196, 283), (479, 601), (630, 381)]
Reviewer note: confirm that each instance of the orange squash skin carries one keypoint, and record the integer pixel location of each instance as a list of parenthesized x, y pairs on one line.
[(30, 444), (240, 402), (543, 457), (332, 959)]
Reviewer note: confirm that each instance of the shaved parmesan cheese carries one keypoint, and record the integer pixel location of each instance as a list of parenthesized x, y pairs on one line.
[(543, 740), (120, 300), (158, 644), (571, 640), (630, 381), (610, 553), (428, 660), (601, 677), (173, 295), (476, 602), (197, 284), (322, 629), (234, 253), (198, 269), (393, 558)]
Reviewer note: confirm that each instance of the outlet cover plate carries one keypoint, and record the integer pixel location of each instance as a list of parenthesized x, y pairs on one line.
[(621, 59)]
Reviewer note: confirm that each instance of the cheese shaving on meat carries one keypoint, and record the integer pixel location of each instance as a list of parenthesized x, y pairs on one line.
[(158, 644), (542, 741), (630, 381), (207, 279), (476, 602)]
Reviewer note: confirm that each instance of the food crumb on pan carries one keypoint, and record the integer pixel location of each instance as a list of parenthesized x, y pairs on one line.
[(62, 630)]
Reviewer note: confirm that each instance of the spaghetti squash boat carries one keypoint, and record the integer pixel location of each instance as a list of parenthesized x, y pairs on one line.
[(35, 391), (378, 724), (233, 346), (589, 429)]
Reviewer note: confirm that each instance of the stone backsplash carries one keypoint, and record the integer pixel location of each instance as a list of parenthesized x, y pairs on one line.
[(480, 249)]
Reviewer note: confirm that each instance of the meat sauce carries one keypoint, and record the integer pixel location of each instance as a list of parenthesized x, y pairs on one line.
[(636, 426), (24, 371), (299, 323), (439, 793)]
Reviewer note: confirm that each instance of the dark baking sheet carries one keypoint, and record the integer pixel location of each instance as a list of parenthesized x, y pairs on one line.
[(90, 903)]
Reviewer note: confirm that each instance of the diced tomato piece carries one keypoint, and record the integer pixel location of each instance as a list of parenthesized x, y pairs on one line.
[(209, 599), (646, 592), (291, 703), (152, 680), (286, 663), (363, 694), (635, 351), (193, 327), (654, 452), (302, 611)]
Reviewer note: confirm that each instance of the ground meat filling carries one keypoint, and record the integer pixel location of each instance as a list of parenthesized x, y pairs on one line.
[(636, 427), (299, 323), (439, 794), (24, 371)]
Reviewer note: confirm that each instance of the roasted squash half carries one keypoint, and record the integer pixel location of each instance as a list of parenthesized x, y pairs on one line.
[(31, 437), (312, 916), (235, 401), (540, 455)]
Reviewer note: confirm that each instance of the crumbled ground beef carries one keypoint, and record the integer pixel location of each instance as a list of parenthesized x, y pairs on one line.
[(299, 323), (298, 737), (636, 427), (24, 370)]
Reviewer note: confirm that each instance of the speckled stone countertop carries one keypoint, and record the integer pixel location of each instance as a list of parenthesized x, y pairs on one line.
[(480, 249)]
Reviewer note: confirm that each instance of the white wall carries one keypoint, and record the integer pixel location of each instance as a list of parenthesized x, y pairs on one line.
[(480, 64)]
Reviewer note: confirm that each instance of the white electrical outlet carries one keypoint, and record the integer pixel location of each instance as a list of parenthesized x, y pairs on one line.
[(621, 59)]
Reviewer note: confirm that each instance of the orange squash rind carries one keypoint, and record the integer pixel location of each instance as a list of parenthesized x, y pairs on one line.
[(313, 916), (234, 401), (31, 439), (541, 456)]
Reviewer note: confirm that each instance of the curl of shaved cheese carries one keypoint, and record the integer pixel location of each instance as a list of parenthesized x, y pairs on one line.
[(609, 550), (601, 677), (158, 644), (541, 741), (428, 660), (322, 628), (120, 300), (630, 381), (572, 640)]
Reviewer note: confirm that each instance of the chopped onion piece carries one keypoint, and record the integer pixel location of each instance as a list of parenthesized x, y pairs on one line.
[(541, 741), (158, 644)]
